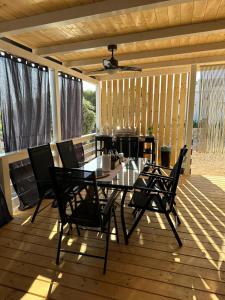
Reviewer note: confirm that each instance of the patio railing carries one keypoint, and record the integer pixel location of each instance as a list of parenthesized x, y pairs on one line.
[(7, 158)]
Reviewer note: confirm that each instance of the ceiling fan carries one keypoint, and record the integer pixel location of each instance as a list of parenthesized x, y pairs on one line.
[(111, 65)]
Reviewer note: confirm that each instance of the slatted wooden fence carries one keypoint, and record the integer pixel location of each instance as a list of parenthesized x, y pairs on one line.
[(159, 101)]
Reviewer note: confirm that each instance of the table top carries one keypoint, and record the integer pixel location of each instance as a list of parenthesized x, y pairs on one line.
[(123, 176)]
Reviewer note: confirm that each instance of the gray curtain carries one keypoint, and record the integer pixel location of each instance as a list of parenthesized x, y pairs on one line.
[(26, 118), (71, 93)]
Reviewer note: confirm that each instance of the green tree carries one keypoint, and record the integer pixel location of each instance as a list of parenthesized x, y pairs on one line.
[(90, 96), (88, 117)]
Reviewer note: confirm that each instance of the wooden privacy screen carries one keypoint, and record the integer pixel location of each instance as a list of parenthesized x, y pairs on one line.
[(158, 101)]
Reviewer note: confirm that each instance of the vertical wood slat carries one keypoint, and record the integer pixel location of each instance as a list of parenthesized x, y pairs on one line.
[(143, 105), (156, 107), (143, 102), (181, 123), (120, 104), (103, 106), (131, 107), (137, 108), (114, 103), (126, 102), (109, 96), (190, 114), (168, 109), (175, 118), (162, 114), (150, 101)]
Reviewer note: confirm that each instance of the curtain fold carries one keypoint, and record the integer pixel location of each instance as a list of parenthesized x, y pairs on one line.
[(26, 119), (211, 109), (71, 93)]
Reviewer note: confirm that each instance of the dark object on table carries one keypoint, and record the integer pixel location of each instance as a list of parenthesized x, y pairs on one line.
[(5, 216), (88, 214), (165, 156), (100, 174), (157, 196), (41, 159), (114, 164)]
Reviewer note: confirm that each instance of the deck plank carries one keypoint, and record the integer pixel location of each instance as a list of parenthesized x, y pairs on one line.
[(150, 267)]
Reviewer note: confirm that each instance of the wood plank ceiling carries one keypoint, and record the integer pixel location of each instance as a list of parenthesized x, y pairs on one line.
[(149, 34)]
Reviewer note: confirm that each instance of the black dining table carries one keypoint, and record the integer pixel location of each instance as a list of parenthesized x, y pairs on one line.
[(122, 177)]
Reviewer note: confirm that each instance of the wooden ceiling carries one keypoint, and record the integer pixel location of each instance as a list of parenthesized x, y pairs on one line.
[(148, 33)]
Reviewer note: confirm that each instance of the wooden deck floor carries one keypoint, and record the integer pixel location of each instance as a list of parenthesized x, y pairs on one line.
[(151, 267)]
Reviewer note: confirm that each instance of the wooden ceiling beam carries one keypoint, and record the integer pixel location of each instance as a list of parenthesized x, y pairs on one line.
[(151, 35), (82, 13), (150, 54), (218, 59), (14, 50)]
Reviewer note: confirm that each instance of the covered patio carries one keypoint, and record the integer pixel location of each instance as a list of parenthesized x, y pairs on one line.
[(169, 44)]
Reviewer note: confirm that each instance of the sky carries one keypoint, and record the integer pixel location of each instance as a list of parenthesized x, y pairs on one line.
[(89, 86)]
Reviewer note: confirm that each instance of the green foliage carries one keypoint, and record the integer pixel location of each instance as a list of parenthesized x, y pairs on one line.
[(90, 96), (88, 117), (195, 124)]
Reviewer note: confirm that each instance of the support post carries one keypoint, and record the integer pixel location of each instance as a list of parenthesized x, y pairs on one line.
[(55, 103), (98, 107), (190, 115)]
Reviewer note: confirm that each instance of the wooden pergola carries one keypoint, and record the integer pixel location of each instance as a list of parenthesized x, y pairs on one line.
[(170, 40)]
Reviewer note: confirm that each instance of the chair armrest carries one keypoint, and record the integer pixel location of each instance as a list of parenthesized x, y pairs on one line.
[(157, 166), (157, 176), (158, 191), (109, 202)]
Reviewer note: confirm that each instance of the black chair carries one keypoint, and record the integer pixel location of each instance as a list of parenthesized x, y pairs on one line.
[(88, 214), (5, 216), (72, 156), (41, 159), (157, 194), (79, 153), (151, 168), (129, 145), (67, 154)]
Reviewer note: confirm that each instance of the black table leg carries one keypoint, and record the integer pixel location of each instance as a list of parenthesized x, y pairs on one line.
[(122, 217)]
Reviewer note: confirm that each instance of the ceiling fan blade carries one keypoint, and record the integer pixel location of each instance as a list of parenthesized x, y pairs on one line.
[(94, 72), (127, 68)]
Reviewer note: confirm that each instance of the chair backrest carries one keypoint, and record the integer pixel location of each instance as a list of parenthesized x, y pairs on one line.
[(63, 182), (67, 154), (41, 159), (79, 152), (129, 145), (176, 171)]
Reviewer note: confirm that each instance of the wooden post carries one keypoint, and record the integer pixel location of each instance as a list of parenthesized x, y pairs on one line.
[(190, 115), (55, 103), (98, 107)]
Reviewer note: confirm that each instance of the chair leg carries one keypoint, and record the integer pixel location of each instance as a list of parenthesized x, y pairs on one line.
[(78, 230), (107, 244), (59, 244), (173, 229), (135, 223), (176, 216), (36, 210), (116, 226)]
